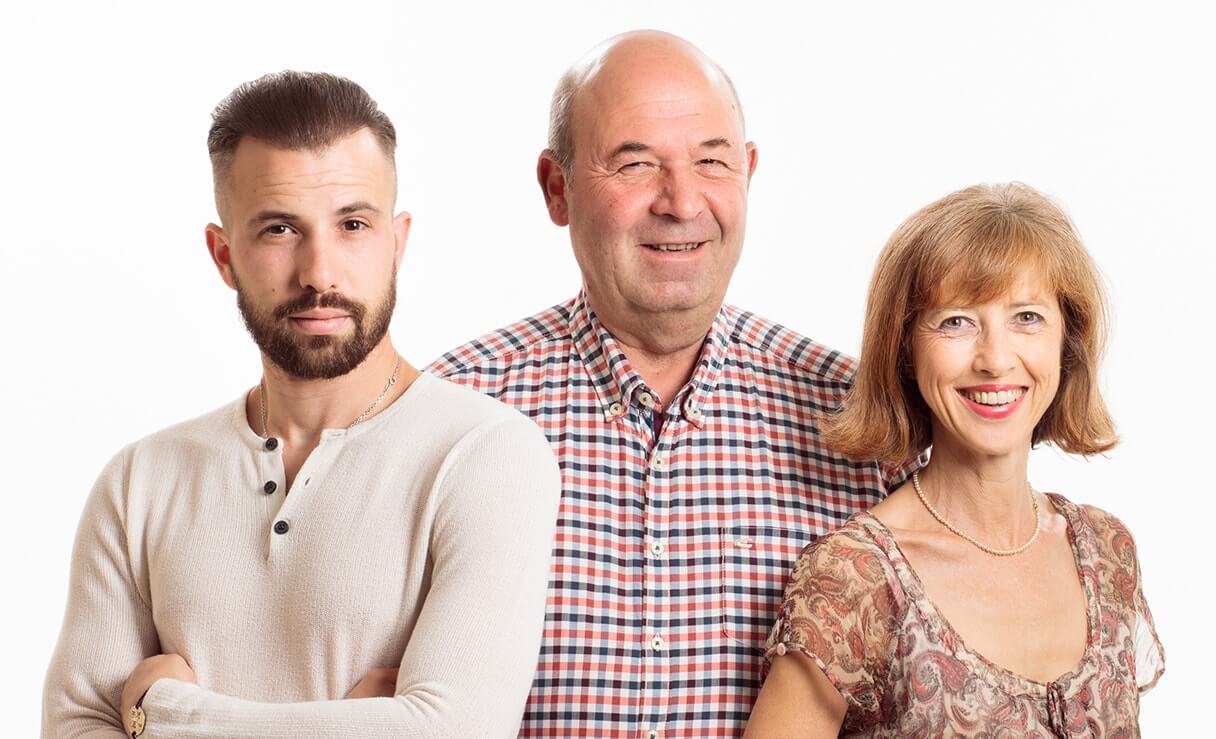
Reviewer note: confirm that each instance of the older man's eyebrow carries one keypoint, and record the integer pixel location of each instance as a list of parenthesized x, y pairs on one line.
[(630, 147), (719, 143), (360, 206)]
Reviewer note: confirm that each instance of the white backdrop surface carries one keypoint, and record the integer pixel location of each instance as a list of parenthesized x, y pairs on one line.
[(117, 324)]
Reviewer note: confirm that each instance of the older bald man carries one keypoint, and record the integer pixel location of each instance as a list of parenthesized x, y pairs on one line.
[(693, 470)]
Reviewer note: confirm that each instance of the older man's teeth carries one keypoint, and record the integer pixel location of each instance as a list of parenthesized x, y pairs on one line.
[(675, 247), (1004, 397)]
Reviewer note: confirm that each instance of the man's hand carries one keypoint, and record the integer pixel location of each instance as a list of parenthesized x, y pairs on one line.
[(149, 671), (381, 682)]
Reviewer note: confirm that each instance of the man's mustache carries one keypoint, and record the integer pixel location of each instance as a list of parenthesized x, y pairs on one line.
[(311, 300)]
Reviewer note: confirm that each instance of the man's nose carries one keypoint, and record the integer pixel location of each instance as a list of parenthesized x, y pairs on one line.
[(317, 263), (680, 195)]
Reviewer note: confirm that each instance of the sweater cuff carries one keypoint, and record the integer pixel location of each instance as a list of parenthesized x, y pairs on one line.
[(169, 703)]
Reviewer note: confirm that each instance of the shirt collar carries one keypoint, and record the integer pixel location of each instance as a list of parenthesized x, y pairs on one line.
[(618, 385)]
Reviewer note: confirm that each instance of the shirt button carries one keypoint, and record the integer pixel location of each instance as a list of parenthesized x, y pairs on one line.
[(272, 444), (659, 463), (652, 734), (780, 650), (743, 542), (616, 409), (694, 414), (646, 399), (656, 643), (281, 527), (656, 548), (270, 487)]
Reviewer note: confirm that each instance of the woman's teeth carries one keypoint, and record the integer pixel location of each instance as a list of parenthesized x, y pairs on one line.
[(1003, 397)]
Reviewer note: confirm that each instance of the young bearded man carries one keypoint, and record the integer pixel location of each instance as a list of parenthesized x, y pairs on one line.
[(349, 549)]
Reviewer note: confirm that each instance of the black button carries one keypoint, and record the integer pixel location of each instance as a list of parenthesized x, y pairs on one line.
[(280, 527), (270, 487), (272, 444)]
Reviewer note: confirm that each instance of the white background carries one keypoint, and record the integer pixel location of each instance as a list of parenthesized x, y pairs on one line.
[(116, 324)]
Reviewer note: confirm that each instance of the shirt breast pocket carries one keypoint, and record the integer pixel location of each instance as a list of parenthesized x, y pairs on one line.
[(756, 562)]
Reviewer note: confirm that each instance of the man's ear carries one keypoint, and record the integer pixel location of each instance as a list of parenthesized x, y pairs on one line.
[(401, 234), (753, 156), (553, 185), (221, 253)]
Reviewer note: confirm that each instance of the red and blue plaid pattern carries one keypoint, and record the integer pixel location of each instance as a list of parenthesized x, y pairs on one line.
[(672, 552)]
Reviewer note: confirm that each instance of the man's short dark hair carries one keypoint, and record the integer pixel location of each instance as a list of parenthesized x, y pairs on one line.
[(294, 111)]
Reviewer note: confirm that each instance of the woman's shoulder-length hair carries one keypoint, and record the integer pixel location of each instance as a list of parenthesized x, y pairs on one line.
[(970, 247)]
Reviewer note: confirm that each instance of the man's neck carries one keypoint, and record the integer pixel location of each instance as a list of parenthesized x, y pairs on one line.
[(298, 410), (663, 351)]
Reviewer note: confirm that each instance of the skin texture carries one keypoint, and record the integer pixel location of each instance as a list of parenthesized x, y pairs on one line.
[(307, 226), (660, 159), (1026, 612)]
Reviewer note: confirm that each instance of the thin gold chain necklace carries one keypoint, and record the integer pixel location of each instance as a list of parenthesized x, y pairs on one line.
[(392, 380), (1034, 503)]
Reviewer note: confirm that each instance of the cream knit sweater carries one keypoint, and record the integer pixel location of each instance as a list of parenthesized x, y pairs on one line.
[(420, 538)]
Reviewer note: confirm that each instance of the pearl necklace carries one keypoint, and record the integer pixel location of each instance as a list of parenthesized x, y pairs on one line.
[(1034, 502)]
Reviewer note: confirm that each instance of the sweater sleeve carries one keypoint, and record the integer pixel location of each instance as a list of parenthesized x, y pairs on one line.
[(107, 628), (468, 666)]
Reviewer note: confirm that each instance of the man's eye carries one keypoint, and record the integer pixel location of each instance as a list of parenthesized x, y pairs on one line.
[(712, 161), (353, 225), (278, 229), (634, 166)]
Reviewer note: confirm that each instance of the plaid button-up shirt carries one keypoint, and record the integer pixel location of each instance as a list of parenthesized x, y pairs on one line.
[(673, 548)]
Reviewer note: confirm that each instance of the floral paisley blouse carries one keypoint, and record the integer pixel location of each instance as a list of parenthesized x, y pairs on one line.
[(856, 608)]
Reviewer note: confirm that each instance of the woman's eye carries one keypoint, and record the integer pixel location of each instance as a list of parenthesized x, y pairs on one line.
[(954, 322), (1028, 317)]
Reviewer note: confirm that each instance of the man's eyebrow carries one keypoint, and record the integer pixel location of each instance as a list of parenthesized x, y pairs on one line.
[(263, 216), (718, 143), (629, 147), (358, 207)]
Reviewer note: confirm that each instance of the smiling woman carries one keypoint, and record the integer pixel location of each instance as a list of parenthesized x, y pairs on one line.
[(967, 602)]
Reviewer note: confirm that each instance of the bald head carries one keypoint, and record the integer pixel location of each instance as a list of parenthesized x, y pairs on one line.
[(622, 62)]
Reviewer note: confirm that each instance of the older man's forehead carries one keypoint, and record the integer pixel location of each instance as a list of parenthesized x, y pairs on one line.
[(656, 102)]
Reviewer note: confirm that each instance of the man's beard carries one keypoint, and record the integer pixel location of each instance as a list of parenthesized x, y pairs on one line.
[(316, 357)]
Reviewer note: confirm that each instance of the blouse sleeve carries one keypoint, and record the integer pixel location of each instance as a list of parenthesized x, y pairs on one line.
[(1150, 655), (1127, 588), (841, 609)]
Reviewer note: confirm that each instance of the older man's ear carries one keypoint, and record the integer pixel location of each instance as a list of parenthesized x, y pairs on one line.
[(552, 182)]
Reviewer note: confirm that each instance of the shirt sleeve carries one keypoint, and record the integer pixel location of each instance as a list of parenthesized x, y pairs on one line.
[(841, 611), (107, 628), (468, 666)]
